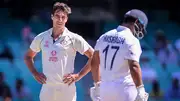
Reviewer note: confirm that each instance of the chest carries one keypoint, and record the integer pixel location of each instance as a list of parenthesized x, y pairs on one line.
[(61, 46)]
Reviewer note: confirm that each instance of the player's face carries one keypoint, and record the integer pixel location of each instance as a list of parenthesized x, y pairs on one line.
[(138, 30), (59, 19)]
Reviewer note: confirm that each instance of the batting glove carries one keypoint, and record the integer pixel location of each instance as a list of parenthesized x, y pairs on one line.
[(141, 95), (95, 92)]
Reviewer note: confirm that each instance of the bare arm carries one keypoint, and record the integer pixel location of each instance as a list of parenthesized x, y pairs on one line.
[(86, 69), (95, 67), (71, 78), (40, 77), (29, 56), (135, 72), (137, 78)]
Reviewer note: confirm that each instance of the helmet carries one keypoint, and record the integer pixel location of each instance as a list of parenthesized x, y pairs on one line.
[(140, 24)]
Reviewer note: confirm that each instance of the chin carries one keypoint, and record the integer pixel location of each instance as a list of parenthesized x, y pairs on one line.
[(59, 26)]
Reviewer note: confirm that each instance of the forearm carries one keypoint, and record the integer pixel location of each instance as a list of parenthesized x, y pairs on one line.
[(86, 69), (136, 75), (30, 64), (95, 69), (95, 72)]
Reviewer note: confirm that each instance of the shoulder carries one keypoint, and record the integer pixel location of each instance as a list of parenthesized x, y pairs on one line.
[(110, 32), (44, 34), (74, 36), (130, 38)]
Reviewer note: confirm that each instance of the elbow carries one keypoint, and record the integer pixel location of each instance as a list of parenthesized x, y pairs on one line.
[(134, 66), (27, 58), (95, 62), (135, 70)]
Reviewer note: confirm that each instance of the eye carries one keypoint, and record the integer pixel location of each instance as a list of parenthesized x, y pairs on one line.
[(56, 16), (63, 17)]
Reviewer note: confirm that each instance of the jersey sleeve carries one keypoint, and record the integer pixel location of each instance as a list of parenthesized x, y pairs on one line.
[(96, 47), (81, 45), (133, 51), (35, 44), (98, 42)]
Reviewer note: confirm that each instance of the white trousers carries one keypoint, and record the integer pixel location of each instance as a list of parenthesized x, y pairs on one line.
[(60, 92), (115, 91)]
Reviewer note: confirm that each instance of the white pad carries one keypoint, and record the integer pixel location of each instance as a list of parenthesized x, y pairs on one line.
[(94, 94)]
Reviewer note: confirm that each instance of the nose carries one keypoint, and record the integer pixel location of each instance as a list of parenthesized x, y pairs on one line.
[(60, 19)]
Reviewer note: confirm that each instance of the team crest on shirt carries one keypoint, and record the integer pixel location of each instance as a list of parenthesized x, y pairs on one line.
[(53, 57), (63, 42), (53, 53), (66, 41)]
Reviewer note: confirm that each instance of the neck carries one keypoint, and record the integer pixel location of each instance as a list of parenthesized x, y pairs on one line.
[(128, 26), (57, 32)]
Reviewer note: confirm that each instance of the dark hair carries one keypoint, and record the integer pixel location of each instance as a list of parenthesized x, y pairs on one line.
[(1, 75), (156, 87), (129, 19), (19, 84), (175, 84), (61, 6)]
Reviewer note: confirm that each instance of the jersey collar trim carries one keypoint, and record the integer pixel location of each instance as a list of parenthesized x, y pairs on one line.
[(65, 32), (121, 28)]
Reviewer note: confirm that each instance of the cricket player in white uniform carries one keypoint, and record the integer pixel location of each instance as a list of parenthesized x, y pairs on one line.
[(58, 46), (117, 53)]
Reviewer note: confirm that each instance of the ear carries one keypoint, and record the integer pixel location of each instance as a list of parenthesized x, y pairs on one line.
[(52, 17), (66, 19)]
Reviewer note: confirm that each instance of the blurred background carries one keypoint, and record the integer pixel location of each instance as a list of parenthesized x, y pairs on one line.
[(22, 20)]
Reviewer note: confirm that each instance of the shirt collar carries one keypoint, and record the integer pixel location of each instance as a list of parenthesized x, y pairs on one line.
[(121, 28), (63, 34)]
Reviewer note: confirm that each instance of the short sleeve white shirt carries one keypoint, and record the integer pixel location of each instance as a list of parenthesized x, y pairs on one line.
[(116, 47), (58, 57)]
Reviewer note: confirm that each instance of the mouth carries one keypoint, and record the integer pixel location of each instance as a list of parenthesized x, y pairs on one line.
[(59, 24)]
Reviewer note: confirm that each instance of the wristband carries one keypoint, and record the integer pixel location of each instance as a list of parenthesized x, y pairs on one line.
[(97, 84), (140, 89)]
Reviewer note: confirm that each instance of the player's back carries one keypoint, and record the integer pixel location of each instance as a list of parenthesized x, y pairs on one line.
[(113, 48)]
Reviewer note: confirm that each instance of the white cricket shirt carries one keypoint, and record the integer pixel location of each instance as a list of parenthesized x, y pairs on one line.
[(115, 48), (58, 57)]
